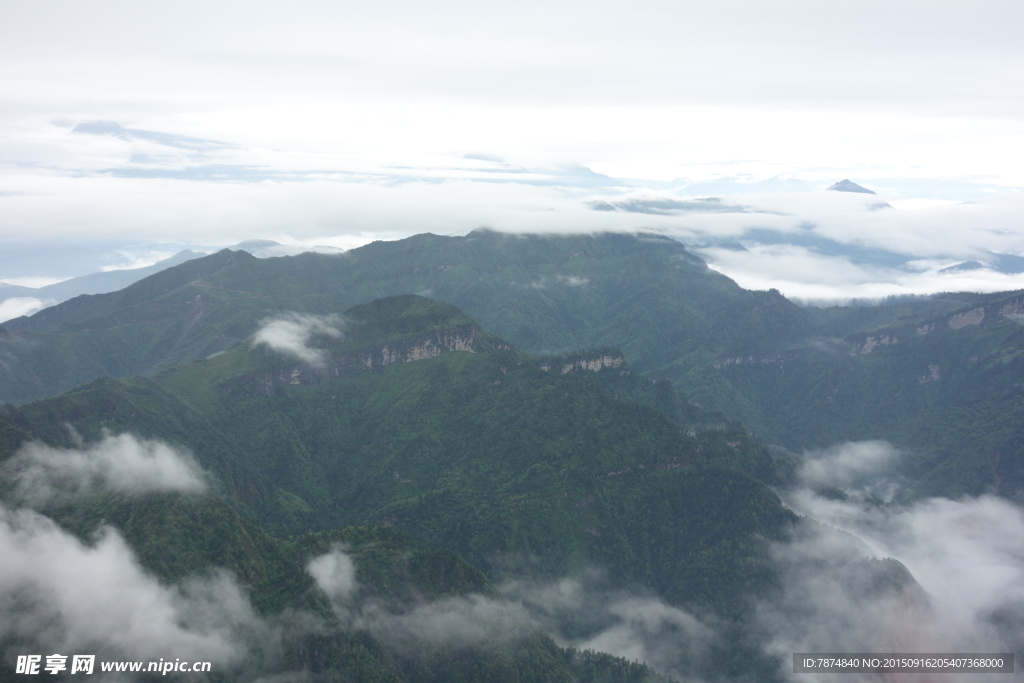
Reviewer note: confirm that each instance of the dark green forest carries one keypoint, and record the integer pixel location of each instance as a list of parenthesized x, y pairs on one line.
[(495, 462), (474, 421)]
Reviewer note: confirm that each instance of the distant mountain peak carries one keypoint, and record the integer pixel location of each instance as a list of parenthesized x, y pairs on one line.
[(846, 185)]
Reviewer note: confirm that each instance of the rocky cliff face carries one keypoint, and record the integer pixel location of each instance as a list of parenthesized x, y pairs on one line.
[(584, 362), (420, 348), (873, 342), (372, 359), (972, 317), (1013, 309)]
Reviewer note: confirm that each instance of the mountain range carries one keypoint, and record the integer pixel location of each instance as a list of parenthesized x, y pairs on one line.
[(799, 377), (95, 283), (489, 457)]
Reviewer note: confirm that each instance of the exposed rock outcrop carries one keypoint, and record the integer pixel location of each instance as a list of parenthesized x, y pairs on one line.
[(583, 362), (372, 359)]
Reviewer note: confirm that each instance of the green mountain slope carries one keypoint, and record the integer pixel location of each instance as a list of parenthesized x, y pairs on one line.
[(471, 421), (945, 380), (543, 294), (798, 378), (418, 421), (295, 633)]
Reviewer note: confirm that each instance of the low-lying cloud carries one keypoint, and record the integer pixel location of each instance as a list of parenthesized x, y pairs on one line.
[(639, 628), (61, 594), (117, 464), (573, 280), (463, 620), (335, 574), (805, 275), (648, 630), (583, 613), (834, 597), (17, 306), (954, 583), (845, 465), (58, 594), (294, 334)]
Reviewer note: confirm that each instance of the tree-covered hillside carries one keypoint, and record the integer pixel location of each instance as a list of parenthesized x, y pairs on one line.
[(935, 374), (645, 295), (402, 419)]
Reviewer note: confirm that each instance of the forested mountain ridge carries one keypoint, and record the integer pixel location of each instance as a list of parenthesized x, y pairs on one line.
[(403, 413), (261, 416), (545, 294), (798, 377), (940, 375)]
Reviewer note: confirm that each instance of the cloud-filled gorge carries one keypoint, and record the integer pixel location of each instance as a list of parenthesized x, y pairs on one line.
[(866, 575)]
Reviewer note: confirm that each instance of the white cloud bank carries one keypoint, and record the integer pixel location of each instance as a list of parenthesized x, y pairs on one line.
[(62, 595), (966, 556), (347, 212), (803, 274), (647, 630), (17, 306), (293, 334), (463, 620), (638, 628), (119, 464), (848, 464), (335, 574)]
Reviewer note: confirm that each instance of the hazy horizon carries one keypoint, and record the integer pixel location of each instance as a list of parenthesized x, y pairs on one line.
[(188, 125)]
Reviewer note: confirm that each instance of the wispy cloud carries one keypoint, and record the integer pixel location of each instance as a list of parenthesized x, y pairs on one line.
[(573, 280), (848, 464), (638, 627), (648, 630), (834, 597), (18, 306), (293, 334), (32, 282), (464, 620), (58, 594), (119, 464), (335, 574)]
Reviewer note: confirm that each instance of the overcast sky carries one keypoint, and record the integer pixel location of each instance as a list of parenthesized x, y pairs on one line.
[(337, 123)]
